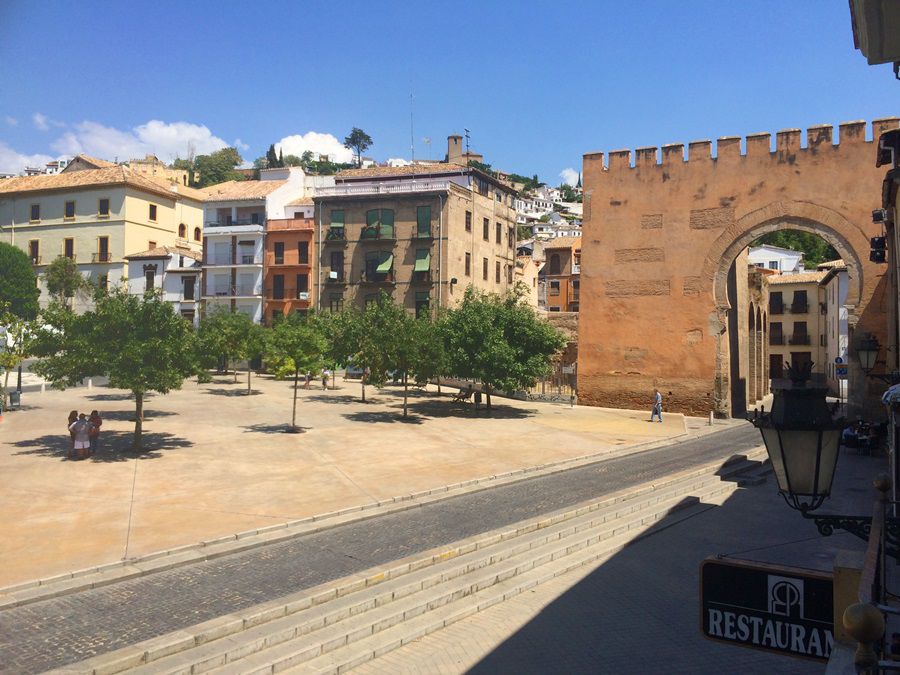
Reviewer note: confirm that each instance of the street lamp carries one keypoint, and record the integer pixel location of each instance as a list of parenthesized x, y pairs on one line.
[(802, 440), (867, 352)]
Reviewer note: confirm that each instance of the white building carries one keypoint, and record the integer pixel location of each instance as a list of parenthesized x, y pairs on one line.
[(174, 270), (834, 289), (771, 257)]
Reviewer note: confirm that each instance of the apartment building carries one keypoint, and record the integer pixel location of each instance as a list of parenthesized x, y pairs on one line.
[(96, 217), (560, 277), (422, 233), (175, 271), (833, 293), (288, 266), (796, 322)]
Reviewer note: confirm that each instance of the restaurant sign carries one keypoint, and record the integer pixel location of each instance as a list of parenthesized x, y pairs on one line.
[(772, 607)]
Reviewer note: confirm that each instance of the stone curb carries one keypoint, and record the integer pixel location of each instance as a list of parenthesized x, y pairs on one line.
[(144, 653), (36, 590)]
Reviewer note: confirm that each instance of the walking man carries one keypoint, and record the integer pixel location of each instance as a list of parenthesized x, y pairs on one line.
[(657, 406)]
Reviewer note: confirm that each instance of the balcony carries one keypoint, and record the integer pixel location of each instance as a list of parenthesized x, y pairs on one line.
[(576, 269), (776, 308), (336, 235), (281, 224), (421, 277), (242, 259), (404, 187), (800, 308), (281, 262), (238, 291), (101, 257), (377, 234), (422, 234), (232, 223), (35, 259), (377, 278), (799, 339), (286, 294), (776, 339), (335, 276)]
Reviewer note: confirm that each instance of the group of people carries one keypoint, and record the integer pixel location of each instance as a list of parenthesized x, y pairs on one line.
[(326, 375), (85, 433)]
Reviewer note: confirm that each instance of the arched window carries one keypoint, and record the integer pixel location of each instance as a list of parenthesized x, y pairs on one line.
[(554, 264), (196, 234), (182, 230)]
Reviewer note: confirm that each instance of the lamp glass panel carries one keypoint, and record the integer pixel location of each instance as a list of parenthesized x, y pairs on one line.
[(867, 358), (831, 442), (773, 447), (800, 449)]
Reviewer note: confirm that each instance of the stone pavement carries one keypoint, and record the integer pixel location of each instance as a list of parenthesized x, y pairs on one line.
[(54, 632), (217, 463), (639, 611)]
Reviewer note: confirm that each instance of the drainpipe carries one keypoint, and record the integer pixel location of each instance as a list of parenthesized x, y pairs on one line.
[(319, 257), (441, 251)]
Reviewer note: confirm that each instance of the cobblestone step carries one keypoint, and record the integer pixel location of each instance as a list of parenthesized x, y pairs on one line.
[(358, 607)]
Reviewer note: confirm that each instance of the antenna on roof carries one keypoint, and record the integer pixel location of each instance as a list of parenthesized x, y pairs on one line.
[(467, 142), (427, 142), (412, 142)]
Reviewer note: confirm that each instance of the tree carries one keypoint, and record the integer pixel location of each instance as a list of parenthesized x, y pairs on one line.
[(218, 166), (18, 289), (256, 344), (64, 281), (138, 342), (524, 232), (225, 333), (815, 249), (300, 340), (292, 160), (499, 341), (343, 333), (15, 345), (358, 141), (271, 158)]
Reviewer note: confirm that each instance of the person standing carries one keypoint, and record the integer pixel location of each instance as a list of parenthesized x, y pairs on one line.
[(96, 422), (80, 428), (73, 417), (325, 374), (657, 406)]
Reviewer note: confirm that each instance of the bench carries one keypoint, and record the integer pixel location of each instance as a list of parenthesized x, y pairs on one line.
[(462, 396)]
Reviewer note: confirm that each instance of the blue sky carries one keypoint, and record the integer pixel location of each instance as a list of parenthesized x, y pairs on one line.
[(537, 84)]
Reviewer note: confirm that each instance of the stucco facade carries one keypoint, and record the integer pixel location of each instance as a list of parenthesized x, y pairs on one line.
[(661, 236)]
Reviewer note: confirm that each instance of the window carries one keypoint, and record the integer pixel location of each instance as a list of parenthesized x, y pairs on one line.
[(188, 284), (554, 309), (554, 264), (254, 218), (509, 274), (70, 210), (279, 253), (149, 278), (379, 266), (484, 268), (278, 287), (34, 251), (153, 212), (776, 366), (69, 248), (103, 282), (554, 287), (196, 234), (499, 233), (151, 244), (302, 283), (182, 230), (303, 252), (468, 264), (499, 197), (379, 224), (773, 264), (511, 236), (337, 265), (576, 284), (422, 301), (103, 210), (497, 271), (102, 249), (487, 229), (337, 218), (468, 221), (35, 213), (423, 221), (335, 302)]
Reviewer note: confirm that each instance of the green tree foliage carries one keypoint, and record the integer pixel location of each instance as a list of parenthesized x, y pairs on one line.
[(216, 167), (481, 166), (499, 341), (15, 345), (64, 281), (292, 160), (255, 347), (568, 193), (272, 159), (524, 232), (226, 334), (358, 141), (138, 342), (18, 287), (815, 249), (299, 340)]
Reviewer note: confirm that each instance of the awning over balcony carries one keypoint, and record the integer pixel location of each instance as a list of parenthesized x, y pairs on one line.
[(386, 266), (423, 261)]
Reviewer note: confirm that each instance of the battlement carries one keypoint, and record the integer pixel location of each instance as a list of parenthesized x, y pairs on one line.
[(819, 138)]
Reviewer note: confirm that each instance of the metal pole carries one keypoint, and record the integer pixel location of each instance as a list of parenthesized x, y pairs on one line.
[(19, 380)]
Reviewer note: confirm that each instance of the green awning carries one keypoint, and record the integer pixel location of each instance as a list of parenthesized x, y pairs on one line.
[(423, 263), (385, 266)]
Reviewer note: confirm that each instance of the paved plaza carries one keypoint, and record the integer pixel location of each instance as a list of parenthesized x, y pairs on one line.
[(216, 461)]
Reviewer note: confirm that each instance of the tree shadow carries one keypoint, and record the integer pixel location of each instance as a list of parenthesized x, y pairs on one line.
[(384, 416), (125, 396), (128, 415), (439, 407), (275, 429), (115, 446), (233, 392), (337, 398)]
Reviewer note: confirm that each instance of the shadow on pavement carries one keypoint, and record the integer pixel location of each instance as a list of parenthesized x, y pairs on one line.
[(233, 392), (337, 398), (128, 415), (125, 396), (274, 429), (442, 407), (384, 416), (115, 446), (639, 611)]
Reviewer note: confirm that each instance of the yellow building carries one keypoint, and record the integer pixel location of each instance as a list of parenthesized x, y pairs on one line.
[(797, 322), (97, 216)]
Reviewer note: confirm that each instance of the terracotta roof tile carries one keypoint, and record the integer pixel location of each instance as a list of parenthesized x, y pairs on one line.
[(165, 251), (422, 168), (237, 190), (828, 264), (94, 161), (303, 201), (114, 175), (800, 278), (563, 242)]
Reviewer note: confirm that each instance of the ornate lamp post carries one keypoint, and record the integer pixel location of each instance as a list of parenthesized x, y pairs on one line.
[(867, 350)]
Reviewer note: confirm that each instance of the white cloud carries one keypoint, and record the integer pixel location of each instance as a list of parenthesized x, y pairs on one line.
[(240, 145), (11, 121), (322, 144), (398, 161), (40, 121), (569, 176), (166, 140), (15, 162)]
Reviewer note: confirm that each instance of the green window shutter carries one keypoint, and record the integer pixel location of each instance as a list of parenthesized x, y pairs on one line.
[(387, 223), (372, 218), (386, 264), (337, 218), (423, 260), (423, 221)]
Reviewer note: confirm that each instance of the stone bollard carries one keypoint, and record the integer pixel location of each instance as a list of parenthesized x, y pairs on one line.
[(43, 387), (90, 383), (710, 418)]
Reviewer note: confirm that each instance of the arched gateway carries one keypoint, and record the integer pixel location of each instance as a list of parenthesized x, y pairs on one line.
[(660, 240)]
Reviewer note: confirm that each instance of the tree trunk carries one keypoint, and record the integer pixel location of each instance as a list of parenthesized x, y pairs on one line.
[(235, 371), (294, 414), (138, 419), (5, 389), (248, 378), (487, 393), (405, 391)]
